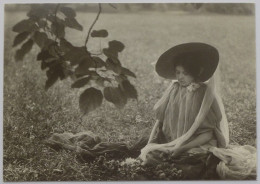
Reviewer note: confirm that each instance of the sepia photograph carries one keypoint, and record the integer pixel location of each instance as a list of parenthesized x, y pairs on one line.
[(129, 92)]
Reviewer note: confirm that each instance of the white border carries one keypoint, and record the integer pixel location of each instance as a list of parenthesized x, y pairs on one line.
[(257, 18)]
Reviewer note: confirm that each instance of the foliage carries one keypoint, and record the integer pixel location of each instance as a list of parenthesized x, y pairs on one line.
[(46, 27), (104, 169), (32, 115)]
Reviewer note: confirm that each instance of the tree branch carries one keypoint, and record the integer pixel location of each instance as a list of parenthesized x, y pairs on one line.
[(99, 11), (56, 10)]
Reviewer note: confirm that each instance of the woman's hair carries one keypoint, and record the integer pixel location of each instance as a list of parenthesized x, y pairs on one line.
[(190, 65)]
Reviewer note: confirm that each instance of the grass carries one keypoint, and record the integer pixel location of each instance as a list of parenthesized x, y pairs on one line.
[(31, 115)]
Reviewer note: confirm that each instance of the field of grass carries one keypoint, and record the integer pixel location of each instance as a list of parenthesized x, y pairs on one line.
[(31, 114)]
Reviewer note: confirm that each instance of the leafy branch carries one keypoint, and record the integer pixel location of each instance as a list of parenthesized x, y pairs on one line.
[(61, 59)]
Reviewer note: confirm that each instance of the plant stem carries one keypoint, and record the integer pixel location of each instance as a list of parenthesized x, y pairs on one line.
[(56, 10), (99, 11)]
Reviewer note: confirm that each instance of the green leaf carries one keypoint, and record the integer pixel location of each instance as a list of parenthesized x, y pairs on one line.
[(116, 96), (99, 33), (58, 29), (68, 12), (116, 46), (20, 38), (25, 25), (40, 38), (128, 89), (73, 23), (126, 71), (81, 82), (90, 99), (26, 47)]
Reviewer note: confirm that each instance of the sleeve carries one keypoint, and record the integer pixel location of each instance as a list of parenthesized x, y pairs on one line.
[(211, 121), (159, 137)]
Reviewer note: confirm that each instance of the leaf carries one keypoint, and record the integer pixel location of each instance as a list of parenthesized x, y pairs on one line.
[(53, 50), (127, 72), (25, 25), (65, 45), (56, 19), (73, 23), (26, 47), (110, 65), (99, 33), (98, 62), (90, 99), (116, 46), (51, 80), (76, 55), (80, 82), (120, 78), (40, 38), (20, 38), (43, 55), (115, 95), (58, 29), (45, 64), (101, 80), (54, 73), (128, 89), (112, 56), (68, 12), (42, 23)]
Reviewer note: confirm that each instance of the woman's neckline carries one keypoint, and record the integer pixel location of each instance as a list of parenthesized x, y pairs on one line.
[(192, 86)]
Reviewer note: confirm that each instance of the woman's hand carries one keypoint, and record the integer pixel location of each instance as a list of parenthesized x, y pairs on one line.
[(177, 152)]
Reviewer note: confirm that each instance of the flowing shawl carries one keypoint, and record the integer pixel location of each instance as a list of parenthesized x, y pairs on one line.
[(211, 99)]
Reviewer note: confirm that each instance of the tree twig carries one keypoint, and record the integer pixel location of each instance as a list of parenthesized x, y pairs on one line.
[(112, 6), (99, 11), (56, 11)]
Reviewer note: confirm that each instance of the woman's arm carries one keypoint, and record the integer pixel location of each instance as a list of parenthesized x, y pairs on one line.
[(197, 141), (153, 131)]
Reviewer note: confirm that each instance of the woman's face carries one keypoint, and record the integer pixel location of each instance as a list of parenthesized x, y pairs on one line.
[(183, 77)]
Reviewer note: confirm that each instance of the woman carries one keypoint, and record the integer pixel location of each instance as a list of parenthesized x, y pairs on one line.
[(190, 115)]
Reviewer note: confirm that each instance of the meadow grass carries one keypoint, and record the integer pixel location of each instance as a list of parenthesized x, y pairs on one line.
[(31, 114)]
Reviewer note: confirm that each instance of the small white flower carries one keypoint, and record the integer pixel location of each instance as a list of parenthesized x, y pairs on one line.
[(130, 161), (193, 86)]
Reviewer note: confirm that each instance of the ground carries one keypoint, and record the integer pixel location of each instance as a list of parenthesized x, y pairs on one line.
[(31, 114)]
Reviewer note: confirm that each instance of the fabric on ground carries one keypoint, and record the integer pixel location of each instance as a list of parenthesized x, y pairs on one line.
[(88, 145), (235, 162)]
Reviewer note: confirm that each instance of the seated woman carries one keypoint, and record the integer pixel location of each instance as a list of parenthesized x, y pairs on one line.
[(190, 115)]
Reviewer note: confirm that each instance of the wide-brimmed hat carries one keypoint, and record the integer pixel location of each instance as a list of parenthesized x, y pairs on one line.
[(206, 56)]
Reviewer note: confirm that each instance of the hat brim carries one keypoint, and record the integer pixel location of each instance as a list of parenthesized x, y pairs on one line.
[(205, 55)]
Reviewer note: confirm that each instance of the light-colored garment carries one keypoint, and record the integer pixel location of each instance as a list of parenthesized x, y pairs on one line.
[(181, 111), (183, 114)]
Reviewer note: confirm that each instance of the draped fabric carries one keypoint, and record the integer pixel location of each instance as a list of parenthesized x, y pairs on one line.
[(182, 114)]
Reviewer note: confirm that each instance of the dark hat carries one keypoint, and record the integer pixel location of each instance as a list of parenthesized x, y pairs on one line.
[(206, 56)]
